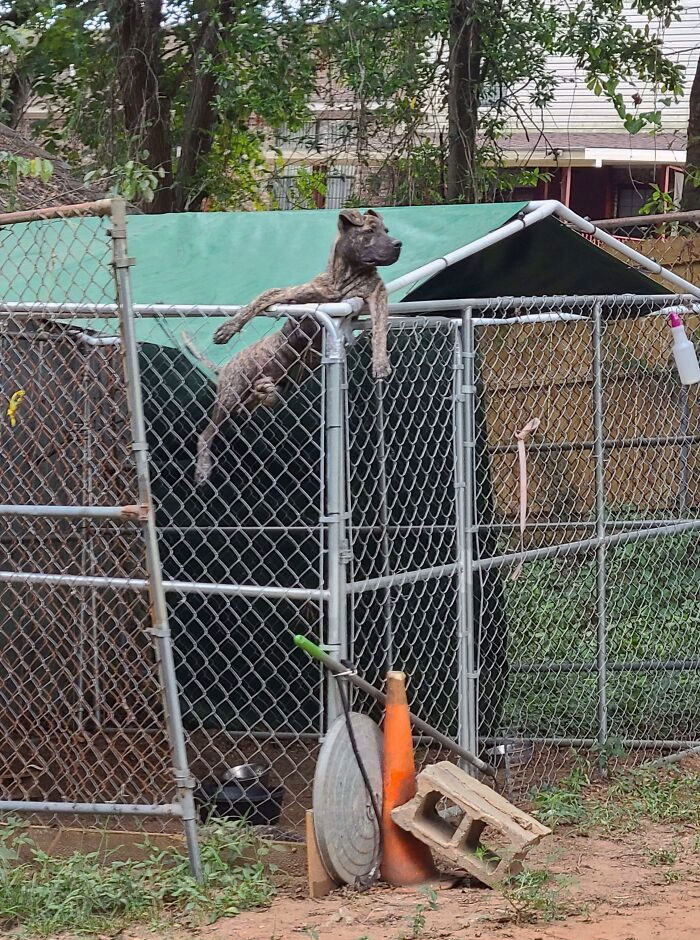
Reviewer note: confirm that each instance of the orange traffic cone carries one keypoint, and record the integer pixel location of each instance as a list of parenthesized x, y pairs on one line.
[(405, 861)]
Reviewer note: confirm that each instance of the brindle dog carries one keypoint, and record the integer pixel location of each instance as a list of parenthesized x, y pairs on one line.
[(255, 375)]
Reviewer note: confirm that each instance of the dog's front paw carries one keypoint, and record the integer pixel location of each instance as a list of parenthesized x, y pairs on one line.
[(227, 330), (381, 370), (223, 334)]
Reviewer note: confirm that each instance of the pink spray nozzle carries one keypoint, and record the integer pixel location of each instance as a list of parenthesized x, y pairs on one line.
[(675, 320)]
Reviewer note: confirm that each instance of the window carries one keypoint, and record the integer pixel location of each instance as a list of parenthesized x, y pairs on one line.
[(283, 188), (323, 134), (490, 94), (339, 185), (335, 134), (303, 136), (631, 197)]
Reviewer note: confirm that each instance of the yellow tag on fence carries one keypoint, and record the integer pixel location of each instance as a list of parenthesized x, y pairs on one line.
[(15, 401)]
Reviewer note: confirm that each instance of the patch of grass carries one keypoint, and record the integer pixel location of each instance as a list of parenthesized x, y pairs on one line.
[(86, 894), (535, 895), (661, 857), (661, 796), (651, 611), (670, 877), (563, 805)]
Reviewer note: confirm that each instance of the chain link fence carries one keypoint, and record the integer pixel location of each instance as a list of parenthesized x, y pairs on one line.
[(382, 520), (601, 654), (89, 712), (672, 239)]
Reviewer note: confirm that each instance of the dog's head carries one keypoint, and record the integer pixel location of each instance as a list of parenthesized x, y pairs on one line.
[(364, 239)]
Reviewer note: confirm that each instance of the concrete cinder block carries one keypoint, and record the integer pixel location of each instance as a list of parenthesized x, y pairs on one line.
[(483, 808)]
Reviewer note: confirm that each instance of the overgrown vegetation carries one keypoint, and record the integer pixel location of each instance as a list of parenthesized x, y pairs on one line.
[(14, 168), (180, 97), (660, 795), (43, 895), (651, 611)]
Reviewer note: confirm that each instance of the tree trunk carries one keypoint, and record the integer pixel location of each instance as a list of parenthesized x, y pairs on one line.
[(137, 24), (691, 193), (201, 117), (462, 103)]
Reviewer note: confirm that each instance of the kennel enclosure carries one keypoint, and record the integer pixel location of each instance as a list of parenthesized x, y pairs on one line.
[(381, 520)]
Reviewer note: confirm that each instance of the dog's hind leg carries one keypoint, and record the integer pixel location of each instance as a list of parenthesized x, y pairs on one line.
[(378, 304), (204, 444)]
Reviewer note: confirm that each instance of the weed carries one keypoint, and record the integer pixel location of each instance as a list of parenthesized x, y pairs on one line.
[(661, 796), (563, 805), (672, 796), (85, 893), (417, 925), (662, 857), (534, 895), (672, 876)]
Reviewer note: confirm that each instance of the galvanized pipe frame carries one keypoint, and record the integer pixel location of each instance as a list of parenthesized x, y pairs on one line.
[(397, 311), (510, 560)]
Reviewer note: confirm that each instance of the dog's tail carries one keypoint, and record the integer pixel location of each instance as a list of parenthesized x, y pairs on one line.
[(188, 343)]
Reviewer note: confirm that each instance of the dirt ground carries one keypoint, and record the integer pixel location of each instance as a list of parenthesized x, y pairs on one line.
[(610, 890)]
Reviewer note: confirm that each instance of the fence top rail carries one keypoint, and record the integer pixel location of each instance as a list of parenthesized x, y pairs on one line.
[(546, 305), (639, 221), (99, 207)]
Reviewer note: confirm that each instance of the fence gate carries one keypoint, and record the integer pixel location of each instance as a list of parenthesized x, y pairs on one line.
[(89, 714)]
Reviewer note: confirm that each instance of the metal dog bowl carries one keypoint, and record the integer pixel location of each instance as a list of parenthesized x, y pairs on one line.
[(242, 792), (247, 773)]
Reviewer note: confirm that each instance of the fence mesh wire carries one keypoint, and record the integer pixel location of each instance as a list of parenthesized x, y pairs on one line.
[(587, 651), (80, 709)]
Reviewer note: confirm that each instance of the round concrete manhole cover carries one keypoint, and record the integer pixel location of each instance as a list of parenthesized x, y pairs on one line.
[(346, 828)]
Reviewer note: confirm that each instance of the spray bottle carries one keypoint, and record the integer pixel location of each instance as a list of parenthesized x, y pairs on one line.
[(683, 351)]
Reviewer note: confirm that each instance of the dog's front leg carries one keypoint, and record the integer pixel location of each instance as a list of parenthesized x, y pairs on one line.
[(316, 291), (378, 304)]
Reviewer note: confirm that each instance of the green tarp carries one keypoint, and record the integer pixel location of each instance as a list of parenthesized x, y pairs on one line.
[(217, 258)]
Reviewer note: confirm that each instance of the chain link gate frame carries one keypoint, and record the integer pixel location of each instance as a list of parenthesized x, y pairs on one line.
[(29, 259)]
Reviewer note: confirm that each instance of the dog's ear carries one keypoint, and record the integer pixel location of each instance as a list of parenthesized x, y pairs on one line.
[(349, 217), (375, 214)]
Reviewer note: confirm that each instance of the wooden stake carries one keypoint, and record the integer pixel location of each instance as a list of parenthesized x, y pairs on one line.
[(320, 882)]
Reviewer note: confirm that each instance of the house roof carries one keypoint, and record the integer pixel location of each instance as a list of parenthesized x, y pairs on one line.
[(61, 189), (592, 146)]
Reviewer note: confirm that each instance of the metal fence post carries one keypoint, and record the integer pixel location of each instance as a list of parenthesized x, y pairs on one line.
[(160, 629), (384, 522), (338, 548), (465, 433), (601, 549)]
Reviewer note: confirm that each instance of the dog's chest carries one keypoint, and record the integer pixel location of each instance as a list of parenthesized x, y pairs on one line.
[(357, 284)]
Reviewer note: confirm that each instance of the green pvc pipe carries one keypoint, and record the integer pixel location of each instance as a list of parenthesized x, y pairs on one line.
[(315, 652)]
